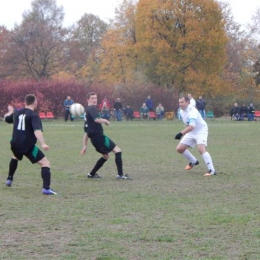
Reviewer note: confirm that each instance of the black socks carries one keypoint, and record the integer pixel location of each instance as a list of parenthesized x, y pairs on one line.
[(98, 165), (12, 168), (46, 177)]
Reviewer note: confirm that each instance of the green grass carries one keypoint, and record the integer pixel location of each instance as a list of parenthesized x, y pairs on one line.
[(164, 213)]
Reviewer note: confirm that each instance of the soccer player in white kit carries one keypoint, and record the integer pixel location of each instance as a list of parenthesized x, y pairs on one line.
[(195, 133)]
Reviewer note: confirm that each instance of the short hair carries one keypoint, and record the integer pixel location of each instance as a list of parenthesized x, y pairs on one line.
[(30, 99), (186, 98), (91, 94)]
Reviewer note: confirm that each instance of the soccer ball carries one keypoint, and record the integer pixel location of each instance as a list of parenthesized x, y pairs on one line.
[(77, 109)]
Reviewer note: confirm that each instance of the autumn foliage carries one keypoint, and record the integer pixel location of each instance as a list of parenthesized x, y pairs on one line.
[(158, 47)]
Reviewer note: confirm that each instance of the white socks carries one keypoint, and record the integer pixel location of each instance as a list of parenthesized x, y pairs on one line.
[(208, 161), (187, 155)]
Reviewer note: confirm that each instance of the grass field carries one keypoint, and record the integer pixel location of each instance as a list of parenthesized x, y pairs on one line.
[(164, 213)]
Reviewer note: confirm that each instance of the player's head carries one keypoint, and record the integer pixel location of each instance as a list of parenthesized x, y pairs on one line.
[(31, 100), (184, 101), (92, 98)]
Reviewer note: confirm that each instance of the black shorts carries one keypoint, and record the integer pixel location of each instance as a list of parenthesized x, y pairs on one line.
[(103, 144), (34, 155)]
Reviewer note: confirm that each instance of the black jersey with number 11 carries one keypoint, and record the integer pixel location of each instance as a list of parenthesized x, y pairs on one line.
[(25, 123)]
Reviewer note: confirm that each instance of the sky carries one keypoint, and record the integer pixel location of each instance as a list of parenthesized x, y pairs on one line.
[(11, 11)]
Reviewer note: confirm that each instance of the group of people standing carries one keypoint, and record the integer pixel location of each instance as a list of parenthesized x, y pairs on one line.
[(240, 113)]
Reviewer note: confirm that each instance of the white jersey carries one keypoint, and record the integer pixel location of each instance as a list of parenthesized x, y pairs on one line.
[(191, 116)]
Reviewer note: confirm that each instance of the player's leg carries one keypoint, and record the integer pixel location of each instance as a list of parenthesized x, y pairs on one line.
[(202, 143), (12, 168), (102, 146), (37, 156), (119, 164), (46, 176), (98, 165), (182, 148), (207, 159), (118, 160)]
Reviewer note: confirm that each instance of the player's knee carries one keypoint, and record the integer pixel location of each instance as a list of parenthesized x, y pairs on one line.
[(179, 149), (106, 156), (202, 149), (117, 150), (44, 162)]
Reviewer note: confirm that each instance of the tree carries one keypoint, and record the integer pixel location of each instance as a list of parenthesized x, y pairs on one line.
[(83, 45), (4, 43), (119, 58), (182, 43), (36, 48), (255, 31)]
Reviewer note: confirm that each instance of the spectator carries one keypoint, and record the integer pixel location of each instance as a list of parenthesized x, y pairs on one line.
[(192, 100), (243, 112), (201, 104), (144, 111), (67, 103), (105, 113), (234, 112), (118, 110), (104, 103), (129, 113), (251, 112), (160, 111), (149, 103)]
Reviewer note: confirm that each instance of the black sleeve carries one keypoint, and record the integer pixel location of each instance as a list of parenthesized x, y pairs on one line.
[(9, 119), (94, 113), (36, 122)]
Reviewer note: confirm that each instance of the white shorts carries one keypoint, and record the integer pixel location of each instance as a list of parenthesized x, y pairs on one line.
[(191, 139)]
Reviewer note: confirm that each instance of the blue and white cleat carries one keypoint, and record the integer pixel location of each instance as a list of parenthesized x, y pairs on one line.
[(9, 183), (48, 192)]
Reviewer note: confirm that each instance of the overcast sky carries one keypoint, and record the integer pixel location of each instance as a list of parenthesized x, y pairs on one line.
[(11, 10)]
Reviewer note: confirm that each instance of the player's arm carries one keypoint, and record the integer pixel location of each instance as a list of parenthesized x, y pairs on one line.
[(102, 121), (9, 117), (188, 129), (85, 143), (39, 136)]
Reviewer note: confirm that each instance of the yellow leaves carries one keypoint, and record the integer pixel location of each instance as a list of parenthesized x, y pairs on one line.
[(185, 37)]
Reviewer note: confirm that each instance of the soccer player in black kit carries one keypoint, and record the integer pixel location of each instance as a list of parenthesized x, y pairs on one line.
[(104, 145), (26, 131)]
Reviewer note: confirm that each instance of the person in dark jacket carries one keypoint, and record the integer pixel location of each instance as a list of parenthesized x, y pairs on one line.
[(234, 112), (251, 112), (201, 105), (67, 103), (129, 113), (243, 112), (149, 103), (118, 109)]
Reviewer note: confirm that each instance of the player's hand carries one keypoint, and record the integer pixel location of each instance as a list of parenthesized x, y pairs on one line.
[(83, 151), (107, 122), (178, 136), (45, 147), (10, 109)]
